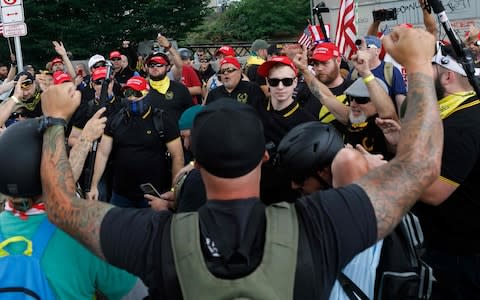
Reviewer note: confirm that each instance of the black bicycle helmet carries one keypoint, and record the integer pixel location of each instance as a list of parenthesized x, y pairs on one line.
[(20, 156), (309, 147)]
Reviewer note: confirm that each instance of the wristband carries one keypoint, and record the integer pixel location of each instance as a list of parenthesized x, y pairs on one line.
[(15, 99), (46, 122), (368, 78)]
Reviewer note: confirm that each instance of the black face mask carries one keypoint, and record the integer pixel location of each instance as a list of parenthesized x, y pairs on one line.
[(139, 107)]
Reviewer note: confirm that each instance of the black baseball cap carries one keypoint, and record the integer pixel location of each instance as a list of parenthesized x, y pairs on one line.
[(227, 138)]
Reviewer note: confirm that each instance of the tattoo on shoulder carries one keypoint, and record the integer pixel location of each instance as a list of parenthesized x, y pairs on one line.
[(395, 187)]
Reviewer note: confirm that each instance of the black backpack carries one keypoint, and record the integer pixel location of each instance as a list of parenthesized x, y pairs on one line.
[(401, 273)]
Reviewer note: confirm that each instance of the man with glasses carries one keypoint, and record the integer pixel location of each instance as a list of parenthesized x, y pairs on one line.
[(166, 94), (137, 148), (368, 99), (121, 72), (279, 114), (230, 73)]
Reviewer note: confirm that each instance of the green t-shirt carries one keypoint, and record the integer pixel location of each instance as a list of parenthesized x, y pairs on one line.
[(72, 271)]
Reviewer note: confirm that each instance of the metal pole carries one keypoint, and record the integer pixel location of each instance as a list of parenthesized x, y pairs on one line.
[(312, 17), (18, 53)]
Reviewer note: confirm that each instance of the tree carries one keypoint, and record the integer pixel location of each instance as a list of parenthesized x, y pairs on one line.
[(251, 19), (89, 27)]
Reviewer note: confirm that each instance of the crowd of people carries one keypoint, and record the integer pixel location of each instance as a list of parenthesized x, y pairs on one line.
[(282, 178)]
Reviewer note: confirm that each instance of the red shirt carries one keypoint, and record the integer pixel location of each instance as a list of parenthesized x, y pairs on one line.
[(190, 79)]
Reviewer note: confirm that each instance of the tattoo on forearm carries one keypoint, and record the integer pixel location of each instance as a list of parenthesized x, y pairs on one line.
[(395, 187), (79, 218), (78, 154)]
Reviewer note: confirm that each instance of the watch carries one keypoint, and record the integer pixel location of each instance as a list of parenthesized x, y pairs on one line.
[(46, 122)]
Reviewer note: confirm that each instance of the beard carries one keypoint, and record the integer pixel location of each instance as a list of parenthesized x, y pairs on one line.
[(357, 119), (439, 89), (159, 77)]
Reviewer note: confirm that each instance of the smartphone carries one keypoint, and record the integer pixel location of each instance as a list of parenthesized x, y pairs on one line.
[(147, 188)]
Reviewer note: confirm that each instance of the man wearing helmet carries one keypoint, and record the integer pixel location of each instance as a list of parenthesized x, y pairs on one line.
[(309, 152)]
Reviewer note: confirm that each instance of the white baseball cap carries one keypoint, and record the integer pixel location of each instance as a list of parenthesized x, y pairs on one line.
[(95, 59)]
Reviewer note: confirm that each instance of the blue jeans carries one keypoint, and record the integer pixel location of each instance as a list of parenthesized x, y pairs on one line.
[(121, 201)]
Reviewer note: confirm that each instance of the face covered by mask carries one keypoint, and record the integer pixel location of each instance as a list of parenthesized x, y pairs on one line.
[(139, 107)]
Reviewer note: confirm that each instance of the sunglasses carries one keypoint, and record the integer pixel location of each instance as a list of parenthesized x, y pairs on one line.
[(204, 60), (359, 100), (155, 65), (131, 92), (116, 59), (98, 81), (18, 115), (26, 84), (276, 81), (99, 64), (227, 71)]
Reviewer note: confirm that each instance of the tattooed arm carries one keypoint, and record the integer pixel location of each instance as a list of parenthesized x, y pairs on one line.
[(93, 130), (394, 187), (79, 218), (320, 90)]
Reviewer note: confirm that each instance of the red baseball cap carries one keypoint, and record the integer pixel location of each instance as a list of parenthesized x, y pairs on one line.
[(115, 54), (56, 60), (324, 52), (99, 73), (225, 50), (158, 59), (61, 77), (266, 66), (137, 83), (230, 60)]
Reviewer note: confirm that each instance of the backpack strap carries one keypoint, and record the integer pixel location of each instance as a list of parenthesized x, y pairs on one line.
[(350, 288), (41, 237), (34, 247)]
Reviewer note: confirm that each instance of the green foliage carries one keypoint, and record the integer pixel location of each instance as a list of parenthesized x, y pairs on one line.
[(88, 27), (252, 19)]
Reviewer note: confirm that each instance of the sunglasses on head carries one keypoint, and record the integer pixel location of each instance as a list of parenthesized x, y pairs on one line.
[(116, 59), (26, 83), (155, 65), (284, 81), (359, 100), (131, 92), (227, 71), (98, 81)]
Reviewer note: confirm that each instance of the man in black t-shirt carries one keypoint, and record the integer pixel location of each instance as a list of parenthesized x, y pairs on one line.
[(298, 257), (450, 207), (137, 137), (166, 94), (280, 114), (234, 87)]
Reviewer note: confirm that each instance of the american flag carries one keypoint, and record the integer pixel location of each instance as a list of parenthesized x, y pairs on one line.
[(313, 35), (317, 34), (346, 31), (306, 38)]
